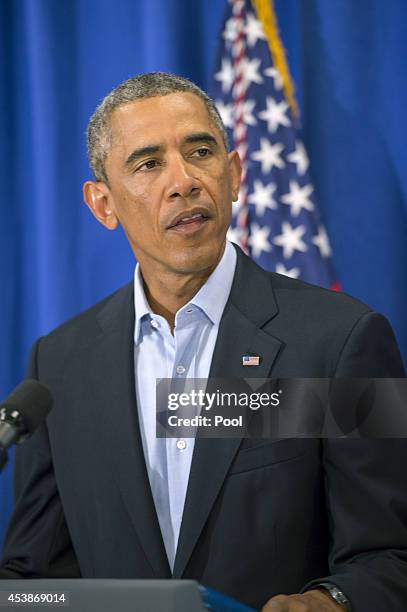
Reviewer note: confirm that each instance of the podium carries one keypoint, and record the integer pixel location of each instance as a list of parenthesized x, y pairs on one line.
[(101, 595)]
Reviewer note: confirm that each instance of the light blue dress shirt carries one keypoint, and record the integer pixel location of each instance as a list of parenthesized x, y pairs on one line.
[(187, 354)]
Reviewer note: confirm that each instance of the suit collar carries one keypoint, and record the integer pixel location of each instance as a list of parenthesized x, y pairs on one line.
[(114, 384), (252, 292)]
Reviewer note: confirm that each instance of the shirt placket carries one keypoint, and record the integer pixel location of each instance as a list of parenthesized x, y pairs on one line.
[(179, 450)]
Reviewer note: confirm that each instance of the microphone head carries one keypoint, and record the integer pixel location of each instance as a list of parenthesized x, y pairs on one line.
[(32, 401)]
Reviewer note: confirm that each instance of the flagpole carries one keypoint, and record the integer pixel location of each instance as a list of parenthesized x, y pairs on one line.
[(239, 129)]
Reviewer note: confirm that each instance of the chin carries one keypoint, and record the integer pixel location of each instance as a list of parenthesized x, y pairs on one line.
[(196, 260)]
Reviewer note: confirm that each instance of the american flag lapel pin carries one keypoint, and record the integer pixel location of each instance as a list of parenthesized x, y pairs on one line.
[(251, 360)]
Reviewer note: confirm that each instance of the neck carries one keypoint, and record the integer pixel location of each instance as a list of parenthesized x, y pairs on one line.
[(166, 298), (167, 292)]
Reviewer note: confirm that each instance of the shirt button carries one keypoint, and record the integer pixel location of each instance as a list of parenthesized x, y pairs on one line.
[(154, 323), (189, 310), (180, 369), (181, 445)]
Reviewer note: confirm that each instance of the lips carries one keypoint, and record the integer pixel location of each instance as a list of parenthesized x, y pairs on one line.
[(188, 220), (196, 216)]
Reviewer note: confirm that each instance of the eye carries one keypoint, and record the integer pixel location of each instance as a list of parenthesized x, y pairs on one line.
[(203, 152), (148, 165)]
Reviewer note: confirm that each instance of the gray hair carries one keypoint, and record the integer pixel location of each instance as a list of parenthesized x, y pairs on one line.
[(149, 85)]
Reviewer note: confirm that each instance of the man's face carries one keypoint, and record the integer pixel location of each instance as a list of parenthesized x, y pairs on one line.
[(171, 183)]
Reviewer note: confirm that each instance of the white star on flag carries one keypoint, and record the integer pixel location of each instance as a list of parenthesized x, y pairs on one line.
[(290, 239), (276, 76), (258, 239), (226, 113), (248, 107), (269, 155), (293, 273), (250, 71), (321, 240), (299, 157), (262, 197), (253, 30), (297, 198), (275, 114), (226, 75), (230, 31)]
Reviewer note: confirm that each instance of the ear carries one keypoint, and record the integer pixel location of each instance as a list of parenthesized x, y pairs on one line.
[(98, 198), (235, 169)]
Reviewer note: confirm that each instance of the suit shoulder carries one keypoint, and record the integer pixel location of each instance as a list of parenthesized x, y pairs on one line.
[(333, 333), (296, 294), (296, 300), (88, 322)]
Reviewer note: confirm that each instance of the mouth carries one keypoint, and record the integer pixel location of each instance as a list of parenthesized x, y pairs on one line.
[(187, 223)]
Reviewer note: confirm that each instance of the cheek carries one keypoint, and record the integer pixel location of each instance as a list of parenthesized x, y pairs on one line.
[(134, 193), (219, 182), (133, 204), (224, 179)]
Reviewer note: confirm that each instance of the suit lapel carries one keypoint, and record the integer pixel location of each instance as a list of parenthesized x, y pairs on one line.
[(240, 333), (113, 360)]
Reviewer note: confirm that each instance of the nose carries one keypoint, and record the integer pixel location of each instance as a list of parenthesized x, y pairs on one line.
[(181, 180)]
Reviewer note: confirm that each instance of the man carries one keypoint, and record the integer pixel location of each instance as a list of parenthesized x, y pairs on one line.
[(296, 524)]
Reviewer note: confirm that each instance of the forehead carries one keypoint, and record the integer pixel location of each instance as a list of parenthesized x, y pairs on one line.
[(160, 118)]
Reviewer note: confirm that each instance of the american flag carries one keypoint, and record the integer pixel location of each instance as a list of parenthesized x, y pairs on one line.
[(251, 360), (276, 219)]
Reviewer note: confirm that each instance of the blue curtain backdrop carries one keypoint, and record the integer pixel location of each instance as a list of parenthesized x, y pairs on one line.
[(58, 59)]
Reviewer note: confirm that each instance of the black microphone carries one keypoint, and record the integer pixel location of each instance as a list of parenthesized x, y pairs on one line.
[(21, 413)]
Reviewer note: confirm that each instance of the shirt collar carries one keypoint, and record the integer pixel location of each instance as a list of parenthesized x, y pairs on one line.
[(211, 298), (141, 306)]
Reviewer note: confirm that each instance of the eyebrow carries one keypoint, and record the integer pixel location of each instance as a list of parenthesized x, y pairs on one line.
[(141, 152), (200, 137)]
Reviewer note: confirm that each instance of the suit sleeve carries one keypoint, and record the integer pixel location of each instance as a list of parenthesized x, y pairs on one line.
[(366, 488), (37, 544)]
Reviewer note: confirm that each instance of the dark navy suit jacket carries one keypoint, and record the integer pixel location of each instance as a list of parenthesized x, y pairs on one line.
[(261, 516)]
